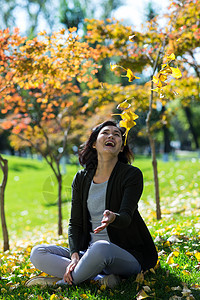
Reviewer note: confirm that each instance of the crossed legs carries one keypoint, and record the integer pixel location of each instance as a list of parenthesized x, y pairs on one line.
[(101, 256)]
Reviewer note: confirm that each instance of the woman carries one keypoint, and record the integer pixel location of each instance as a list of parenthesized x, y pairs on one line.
[(106, 232)]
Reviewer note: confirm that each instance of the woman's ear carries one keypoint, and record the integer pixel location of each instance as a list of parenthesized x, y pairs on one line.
[(94, 145), (122, 149)]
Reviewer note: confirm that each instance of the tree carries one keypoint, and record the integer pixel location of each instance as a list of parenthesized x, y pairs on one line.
[(4, 168), (41, 94), (147, 52)]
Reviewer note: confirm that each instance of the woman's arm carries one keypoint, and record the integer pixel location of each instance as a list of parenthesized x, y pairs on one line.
[(75, 222), (132, 191)]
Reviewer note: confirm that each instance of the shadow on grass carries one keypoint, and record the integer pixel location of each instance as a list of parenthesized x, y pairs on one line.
[(51, 204), (51, 198), (18, 168)]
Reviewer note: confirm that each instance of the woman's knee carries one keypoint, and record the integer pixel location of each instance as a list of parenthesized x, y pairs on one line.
[(101, 248), (36, 253)]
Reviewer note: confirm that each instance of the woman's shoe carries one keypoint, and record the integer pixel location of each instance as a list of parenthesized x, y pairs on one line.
[(110, 281), (41, 280)]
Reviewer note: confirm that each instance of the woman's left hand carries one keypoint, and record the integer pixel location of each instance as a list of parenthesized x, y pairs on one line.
[(108, 217)]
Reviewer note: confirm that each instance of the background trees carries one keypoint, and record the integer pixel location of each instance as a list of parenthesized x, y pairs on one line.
[(41, 93), (50, 86)]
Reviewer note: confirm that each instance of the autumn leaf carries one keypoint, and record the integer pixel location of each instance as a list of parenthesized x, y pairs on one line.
[(170, 57), (84, 296), (176, 73), (127, 121), (124, 105), (131, 38), (113, 66), (197, 255), (170, 259), (141, 295), (130, 75)]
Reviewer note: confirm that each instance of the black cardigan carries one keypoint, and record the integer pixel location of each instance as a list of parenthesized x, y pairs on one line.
[(128, 230)]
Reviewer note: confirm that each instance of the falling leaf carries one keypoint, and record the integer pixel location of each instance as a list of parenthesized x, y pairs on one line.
[(113, 66), (127, 121), (176, 73), (170, 57), (123, 105), (130, 75), (131, 38)]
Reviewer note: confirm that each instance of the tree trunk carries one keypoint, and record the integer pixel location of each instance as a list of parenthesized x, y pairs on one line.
[(153, 155), (60, 229), (155, 174), (4, 167), (192, 129)]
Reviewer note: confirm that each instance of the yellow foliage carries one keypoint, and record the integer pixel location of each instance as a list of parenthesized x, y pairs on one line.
[(197, 255)]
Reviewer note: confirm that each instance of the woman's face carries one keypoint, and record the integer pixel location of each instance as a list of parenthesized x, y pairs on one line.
[(109, 140)]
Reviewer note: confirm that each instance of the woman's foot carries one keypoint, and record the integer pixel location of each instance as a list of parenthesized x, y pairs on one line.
[(110, 281), (41, 280)]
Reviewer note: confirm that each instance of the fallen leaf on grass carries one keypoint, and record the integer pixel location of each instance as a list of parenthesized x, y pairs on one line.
[(103, 287), (185, 272), (176, 288), (84, 296), (141, 295), (170, 259)]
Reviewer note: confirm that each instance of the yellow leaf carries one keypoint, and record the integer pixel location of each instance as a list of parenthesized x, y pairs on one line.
[(176, 73), (131, 38), (166, 69), (130, 75), (155, 80), (103, 287), (84, 296), (167, 244), (113, 66), (197, 255), (170, 259), (170, 57), (140, 278), (53, 296), (185, 272), (141, 295), (176, 253), (162, 77), (123, 105)]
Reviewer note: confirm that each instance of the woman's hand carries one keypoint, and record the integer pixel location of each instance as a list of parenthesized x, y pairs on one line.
[(74, 261), (108, 217)]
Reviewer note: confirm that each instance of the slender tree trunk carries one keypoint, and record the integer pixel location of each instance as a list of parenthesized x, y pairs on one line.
[(153, 155), (4, 167), (60, 228)]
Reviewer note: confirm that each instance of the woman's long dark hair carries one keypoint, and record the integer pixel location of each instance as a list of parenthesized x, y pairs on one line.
[(88, 155)]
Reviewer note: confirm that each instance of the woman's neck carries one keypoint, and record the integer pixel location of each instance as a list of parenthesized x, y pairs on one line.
[(104, 170)]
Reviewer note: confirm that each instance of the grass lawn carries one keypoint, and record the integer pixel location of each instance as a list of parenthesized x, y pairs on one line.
[(31, 216)]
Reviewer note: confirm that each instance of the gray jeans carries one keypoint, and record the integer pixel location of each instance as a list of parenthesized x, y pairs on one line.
[(101, 256)]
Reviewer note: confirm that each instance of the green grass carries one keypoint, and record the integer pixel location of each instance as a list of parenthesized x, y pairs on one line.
[(31, 216)]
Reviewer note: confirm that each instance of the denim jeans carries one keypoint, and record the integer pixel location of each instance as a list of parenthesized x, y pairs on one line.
[(101, 257)]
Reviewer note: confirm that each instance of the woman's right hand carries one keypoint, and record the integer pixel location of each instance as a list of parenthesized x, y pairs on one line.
[(74, 261)]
